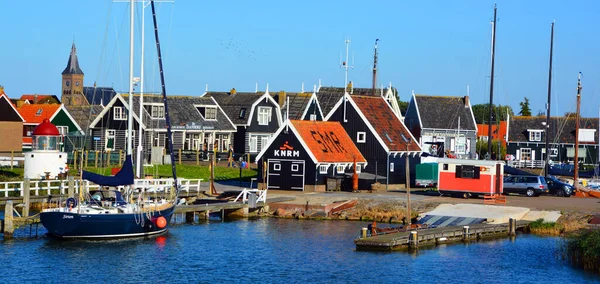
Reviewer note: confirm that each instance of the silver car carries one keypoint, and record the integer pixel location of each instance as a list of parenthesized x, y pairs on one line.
[(529, 185)]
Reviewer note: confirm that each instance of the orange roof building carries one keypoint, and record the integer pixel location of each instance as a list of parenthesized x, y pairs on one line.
[(303, 155), (34, 114), (499, 132)]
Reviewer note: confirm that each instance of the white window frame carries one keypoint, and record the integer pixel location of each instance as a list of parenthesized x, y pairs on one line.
[(391, 167), (264, 115), (119, 113), (110, 133), (535, 135), (525, 152), (295, 168), (213, 113), (264, 140), (340, 169), (63, 130), (157, 111), (361, 137), (277, 167), (253, 144), (313, 117), (323, 169), (587, 135), (358, 169)]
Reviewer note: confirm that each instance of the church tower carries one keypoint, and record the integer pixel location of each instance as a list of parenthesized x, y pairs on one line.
[(72, 81)]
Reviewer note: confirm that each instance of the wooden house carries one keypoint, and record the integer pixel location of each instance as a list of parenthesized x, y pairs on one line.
[(448, 121), (527, 140), (329, 96), (34, 114), (303, 155), (299, 106), (11, 126), (256, 118), (380, 135)]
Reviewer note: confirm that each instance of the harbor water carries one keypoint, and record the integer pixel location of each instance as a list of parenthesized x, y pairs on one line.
[(279, 251)]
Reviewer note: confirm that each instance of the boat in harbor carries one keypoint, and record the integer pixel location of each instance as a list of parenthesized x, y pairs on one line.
[(107, 213)]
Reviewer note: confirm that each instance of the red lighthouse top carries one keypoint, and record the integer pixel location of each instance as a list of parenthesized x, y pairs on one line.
[(46, 129)]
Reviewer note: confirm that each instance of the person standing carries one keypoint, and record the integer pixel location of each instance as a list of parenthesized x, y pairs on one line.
[(230, 158)]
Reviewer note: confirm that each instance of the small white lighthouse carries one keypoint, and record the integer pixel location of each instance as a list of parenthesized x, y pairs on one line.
[(45, 159)]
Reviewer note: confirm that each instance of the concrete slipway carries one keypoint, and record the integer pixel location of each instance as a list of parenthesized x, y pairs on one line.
[(494, 214)]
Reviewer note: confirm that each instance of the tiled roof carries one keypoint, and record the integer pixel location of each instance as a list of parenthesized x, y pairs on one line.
[(41, 99), (36, 113), (345, 151), (442, 112), (498, 131), (84, 115), (73, 63), (99, 95), (328, 99), (232, 104), (298, 103), (561, 130), (182, 112), (385, 122), (356, 91)]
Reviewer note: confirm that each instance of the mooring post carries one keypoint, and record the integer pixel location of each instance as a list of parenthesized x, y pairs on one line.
[(414, 239), (71, 185), (96, 159), (26, 194), (465, 233), (512, 227), (363, 232), (8, 220)]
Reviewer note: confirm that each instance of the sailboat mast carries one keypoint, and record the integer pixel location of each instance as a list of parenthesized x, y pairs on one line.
[(546, 134), (492, 86), (130, 108), (164, 96), (576, 159), (138, 163)]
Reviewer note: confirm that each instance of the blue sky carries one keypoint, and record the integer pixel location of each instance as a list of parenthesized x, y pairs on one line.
[(431, 47)]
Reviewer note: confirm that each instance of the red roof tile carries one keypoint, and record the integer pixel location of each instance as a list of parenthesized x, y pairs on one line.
[(32, 113), (385, 122), (328, 141), (482, 130)]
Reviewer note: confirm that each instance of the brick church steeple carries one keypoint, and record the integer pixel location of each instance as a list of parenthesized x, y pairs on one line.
[(72, 81)]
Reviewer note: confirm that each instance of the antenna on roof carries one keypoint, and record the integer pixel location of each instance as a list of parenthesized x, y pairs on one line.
[(303, 87), (345, 65), (287, 110), (256, 90), (375, 67), (206, 90), (319, 85), (314, 88)]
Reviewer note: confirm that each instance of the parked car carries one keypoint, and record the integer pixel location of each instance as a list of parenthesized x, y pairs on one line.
[(559, 188), (529, 185)]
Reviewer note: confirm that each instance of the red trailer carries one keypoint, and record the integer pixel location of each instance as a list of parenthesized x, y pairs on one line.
[(470, 177)]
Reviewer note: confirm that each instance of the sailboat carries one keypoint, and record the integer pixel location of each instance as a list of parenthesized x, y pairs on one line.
[(106, 213)]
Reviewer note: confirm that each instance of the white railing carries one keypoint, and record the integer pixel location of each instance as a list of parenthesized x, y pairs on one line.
[(533, 164), (262, 195), (45, 187)]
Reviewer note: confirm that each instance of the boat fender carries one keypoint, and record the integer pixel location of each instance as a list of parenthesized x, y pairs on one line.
[(71, 202), (161, 222)]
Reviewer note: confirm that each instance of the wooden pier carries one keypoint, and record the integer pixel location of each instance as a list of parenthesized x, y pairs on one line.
[(423, 237)]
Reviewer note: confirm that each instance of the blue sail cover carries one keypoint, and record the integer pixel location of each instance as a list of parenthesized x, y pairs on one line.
[(123, 177)]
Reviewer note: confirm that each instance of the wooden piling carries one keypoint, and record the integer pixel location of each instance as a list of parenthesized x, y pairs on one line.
[(414, 239), (9, 228), (512, 226), (465, 233), (26, 193), (363, 232), (71, 185), (179, 156)]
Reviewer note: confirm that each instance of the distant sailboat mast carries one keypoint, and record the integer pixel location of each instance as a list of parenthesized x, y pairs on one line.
[(547, 166), (576, 158), (139, 160), (492, 86), (130, 109)]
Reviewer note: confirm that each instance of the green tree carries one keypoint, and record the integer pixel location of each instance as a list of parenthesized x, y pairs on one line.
[(481, 112), (403, 107), (482, 149), (525, 110)]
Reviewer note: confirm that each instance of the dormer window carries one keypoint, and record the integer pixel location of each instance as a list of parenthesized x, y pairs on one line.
[(39, 112), (535, 135), (119, 113), (264, 115), (243, 112), (208, 112), (157, 111)]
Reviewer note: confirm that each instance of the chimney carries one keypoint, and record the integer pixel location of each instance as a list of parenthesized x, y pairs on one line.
[(281, 97), (1, 89), (466, 101), (20, 103), (35, 99), (350, 90), (232, 91)]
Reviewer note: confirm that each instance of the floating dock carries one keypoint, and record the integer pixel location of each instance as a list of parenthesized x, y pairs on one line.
[(423, 237)]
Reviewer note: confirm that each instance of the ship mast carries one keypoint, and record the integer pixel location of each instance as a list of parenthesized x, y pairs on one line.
[(130, 111), (576, 158), (346, 65), (489, 153), (546, 134)]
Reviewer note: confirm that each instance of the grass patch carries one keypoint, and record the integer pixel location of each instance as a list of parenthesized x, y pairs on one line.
[(6, 174), (190, 172), (545, 228), (582, 249)]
